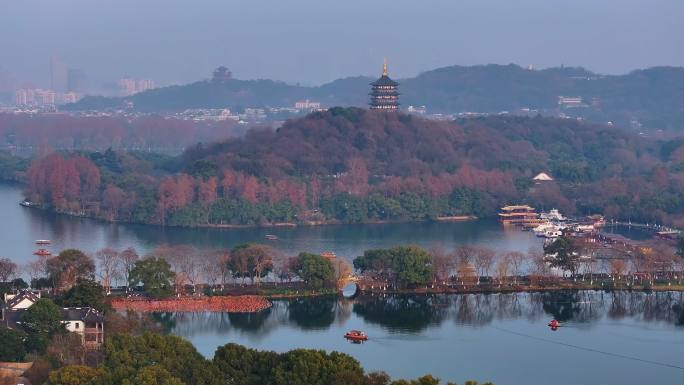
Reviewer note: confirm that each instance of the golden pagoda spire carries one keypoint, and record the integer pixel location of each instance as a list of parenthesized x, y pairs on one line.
[(384, 68)]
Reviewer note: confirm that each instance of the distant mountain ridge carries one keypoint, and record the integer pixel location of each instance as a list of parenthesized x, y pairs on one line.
[(651, 97)]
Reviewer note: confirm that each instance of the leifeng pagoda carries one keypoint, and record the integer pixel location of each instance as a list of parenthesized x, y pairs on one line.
[(384, 92)]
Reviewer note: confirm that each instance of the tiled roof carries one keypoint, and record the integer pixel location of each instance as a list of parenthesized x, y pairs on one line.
[(20, 297), (384, 80), (85, 314)]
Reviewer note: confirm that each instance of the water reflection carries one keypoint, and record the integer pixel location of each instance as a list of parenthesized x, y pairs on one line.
[(416, 313), (21, 226), (405, 313), (312, 313)]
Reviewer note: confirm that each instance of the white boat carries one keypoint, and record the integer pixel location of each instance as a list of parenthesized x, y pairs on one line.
[(553, 215), (553, 234), (547, 227), (585, 228)]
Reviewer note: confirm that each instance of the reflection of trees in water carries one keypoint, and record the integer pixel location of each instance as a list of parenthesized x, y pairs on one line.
[(578, 306), (483, 309), (415, 313), (312, 312), (167, 321), (188, 324), (249, 322), (410, 313)]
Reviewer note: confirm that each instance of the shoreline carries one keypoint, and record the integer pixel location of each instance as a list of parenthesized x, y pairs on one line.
[(334, 222), (474, 289), (224, 304), (258, 303)]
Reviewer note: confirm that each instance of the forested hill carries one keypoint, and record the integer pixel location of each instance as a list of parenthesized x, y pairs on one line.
[(355, 165), (653, 97)]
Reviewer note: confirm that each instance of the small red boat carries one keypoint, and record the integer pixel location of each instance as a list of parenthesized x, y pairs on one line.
[(554, 324), (43, 253), (356, 335)]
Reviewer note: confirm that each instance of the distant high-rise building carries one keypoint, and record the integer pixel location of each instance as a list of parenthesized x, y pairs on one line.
[(58, 75), (127, 86), (384, 92), (37, 97), (144, 85), (76, 80), (46, 97), (21, 97)]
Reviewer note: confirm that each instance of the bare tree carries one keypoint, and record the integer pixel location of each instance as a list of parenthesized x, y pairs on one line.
[(263, 261), (503, 268), (281, 267), (516, 259), (7, 269), (183, 264), (127, 260), (618, 267), (442, 263), (540, 268), (108, 261), (37, 268), (465, 254), (211, 267), (484, 259)]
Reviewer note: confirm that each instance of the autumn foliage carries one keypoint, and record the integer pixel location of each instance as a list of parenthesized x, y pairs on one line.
[(353, 165), (68, 183)]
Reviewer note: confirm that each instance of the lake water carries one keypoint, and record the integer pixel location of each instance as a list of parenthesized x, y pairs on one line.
[(21, 226), (621, 338), (607, 338)]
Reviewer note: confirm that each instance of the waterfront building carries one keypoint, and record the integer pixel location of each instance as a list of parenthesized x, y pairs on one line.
[(384, 92), (518, 214)]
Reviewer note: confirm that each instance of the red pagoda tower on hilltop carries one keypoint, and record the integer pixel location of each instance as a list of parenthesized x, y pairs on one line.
[(384, 92)]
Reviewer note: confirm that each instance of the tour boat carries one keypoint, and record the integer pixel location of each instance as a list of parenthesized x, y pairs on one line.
[(42, 253), (553, 215), (42, 242), (356, 335), (271, 237)]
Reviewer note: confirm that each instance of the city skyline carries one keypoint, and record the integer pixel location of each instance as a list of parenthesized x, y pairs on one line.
[(311, 43)]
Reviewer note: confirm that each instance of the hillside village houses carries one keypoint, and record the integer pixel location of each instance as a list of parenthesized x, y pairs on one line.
[(85, 321)]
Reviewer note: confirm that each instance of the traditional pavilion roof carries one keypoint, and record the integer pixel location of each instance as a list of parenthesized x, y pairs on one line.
[(385, 80)]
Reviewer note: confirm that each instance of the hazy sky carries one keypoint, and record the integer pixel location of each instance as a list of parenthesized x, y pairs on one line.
[(312, 42)]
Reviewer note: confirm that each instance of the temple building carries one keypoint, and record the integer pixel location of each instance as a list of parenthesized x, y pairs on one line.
[(384, 92)]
